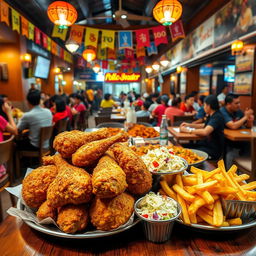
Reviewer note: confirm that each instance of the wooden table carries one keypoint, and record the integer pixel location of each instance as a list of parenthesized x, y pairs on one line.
[(16, 239), (239, 135), (183, 136)]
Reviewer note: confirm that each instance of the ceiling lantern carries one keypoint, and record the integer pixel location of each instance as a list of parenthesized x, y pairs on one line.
[(237, 47), (72, 45), (89, 55), (96, 68), (164, 62), (62, 14), (156, 66), (148, 69), (167, 12)]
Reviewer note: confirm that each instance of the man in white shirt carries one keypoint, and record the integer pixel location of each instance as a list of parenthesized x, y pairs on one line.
[(221, 97)]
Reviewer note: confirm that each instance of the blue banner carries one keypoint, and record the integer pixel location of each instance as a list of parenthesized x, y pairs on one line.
[(152, 49), (125, 39)]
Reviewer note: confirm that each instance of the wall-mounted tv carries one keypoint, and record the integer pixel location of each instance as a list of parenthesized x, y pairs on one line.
[(229, 73), (42, 67)]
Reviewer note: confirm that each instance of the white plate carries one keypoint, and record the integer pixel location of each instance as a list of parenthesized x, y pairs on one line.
[(54, 231), (201, 154)]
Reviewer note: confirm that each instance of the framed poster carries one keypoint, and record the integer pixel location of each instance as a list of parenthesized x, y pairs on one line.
[(244, 62), (243, 83)]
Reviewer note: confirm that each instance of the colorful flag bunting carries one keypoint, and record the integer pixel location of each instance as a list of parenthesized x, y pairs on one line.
[(15, 21), (44, 40), (142, 37), (80, 62), (61, 53), (125, 40), (102, 53), (108, 39), (141, 61), (104, 64), (111, 65), (160, 35), (129, 54), (59, 32), (111, 54), (140, 52), (54, 48), (37, 36), (76, 33), (31, 31), (152, 49), (133, 63), (177, 30), (4, 7), (24, 27), (58, 50), (91, 37), (49, 43)]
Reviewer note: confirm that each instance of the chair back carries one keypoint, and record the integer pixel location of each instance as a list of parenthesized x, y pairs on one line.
[(6, 150), (178, 120), (145, 124), (106, 110), (144, 119), (104, 114), (61, 125), (45, 134), (75, 121), (102, 119), (110, 124)]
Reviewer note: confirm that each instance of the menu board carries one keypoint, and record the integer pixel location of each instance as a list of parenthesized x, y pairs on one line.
[(243, 83), (244, 62)]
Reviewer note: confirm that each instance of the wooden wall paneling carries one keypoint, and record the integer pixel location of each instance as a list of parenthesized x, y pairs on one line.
[(192, 79), (166, 86)]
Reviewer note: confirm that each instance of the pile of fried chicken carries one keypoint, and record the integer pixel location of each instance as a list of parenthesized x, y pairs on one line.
[(92, 178)]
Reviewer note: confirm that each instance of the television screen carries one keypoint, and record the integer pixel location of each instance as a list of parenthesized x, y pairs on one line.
[(42, 67), (229, 73)]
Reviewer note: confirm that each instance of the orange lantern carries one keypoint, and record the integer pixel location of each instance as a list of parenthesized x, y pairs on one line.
[(167, 12), (237, 47), (62, 14), (89, 55), (96, 68)]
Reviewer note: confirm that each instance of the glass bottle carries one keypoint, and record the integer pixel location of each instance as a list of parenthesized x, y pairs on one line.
[(164, 131)]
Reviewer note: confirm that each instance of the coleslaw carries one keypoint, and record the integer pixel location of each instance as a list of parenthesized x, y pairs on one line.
[(163, 160), (156, 207)]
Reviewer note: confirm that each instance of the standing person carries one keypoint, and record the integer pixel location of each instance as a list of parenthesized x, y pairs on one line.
[(34, 120), (221, 97), (212, 129), (160, 109), (108, 102), (174, 110), (98, 99), (187, 106)]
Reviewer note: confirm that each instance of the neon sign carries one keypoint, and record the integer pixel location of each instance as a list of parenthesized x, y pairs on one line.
[(122, 77)]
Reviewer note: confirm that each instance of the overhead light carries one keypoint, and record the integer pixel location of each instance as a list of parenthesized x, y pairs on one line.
[(63, 82), (237, 47), (60, 76), (148, 69), (167, 12), (164, 62), (156, 66), (57, 70), (68, 69), (89, 55), (114, 16), (96, 68), (179, 69), (72, 45), (26, 57), (62, 14), (123, 16)]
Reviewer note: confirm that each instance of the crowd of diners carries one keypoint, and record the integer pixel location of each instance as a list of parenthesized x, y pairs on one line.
[(211, 115)]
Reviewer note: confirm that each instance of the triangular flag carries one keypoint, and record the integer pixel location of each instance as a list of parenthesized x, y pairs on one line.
[(15, 21), (91, 37), (4, 8), (59, 32)]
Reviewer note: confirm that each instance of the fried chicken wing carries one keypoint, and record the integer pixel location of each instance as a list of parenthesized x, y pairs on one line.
[(89, 153), (35, 185), (72, 185), (138, 177), (45, 211), (108, 179), (72, 218), (66, 143), (107, 214)]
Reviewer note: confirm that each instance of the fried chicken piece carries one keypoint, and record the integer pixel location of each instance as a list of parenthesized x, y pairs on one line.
[(72, 218), (107, 214), (45, 211), (72, 185), (89, 153), (36, 183), (108, 179), (48, 160), (138, 177), (67, 143)]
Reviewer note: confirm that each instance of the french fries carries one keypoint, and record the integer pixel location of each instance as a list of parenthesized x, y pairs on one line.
[(200, 194)]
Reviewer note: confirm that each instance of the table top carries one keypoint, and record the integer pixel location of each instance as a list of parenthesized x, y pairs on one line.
[(117, 116), (239, 135), (16, 238), (183, 135)]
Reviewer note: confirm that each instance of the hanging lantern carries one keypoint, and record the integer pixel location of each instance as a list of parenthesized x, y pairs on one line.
[(237, 47), (179, 69), (62, 14), (89, 55), (167, 12), (148, 69), (96, 68), (72, 45), (57, 70), (164, 62), (156, 66)]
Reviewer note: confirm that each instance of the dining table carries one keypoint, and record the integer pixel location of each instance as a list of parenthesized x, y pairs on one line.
[(240, 134), (179, 136)]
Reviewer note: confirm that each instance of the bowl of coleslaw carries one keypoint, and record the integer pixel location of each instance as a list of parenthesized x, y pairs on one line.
[(158, 214), (163, 161)]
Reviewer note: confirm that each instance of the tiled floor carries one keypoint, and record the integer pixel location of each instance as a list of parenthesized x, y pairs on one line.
[(6, 202)]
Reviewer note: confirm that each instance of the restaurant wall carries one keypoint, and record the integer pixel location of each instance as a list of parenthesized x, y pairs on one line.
[(166, 86), (192, 79), (69, 78)]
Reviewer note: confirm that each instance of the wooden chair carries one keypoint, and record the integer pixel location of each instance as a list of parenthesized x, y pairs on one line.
[(248, 164), (102, 119), (106, 110), (110, 124), (178, 120), (144, 119), (61, 125), (45, 134), (6, 156), (104, 114)]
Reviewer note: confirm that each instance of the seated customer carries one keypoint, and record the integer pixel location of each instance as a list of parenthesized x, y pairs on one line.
[(144, 110), (160, 109), (221, 97), (79, 105), (200, 116), (187, 106), (108, 102), (34, 120), (174, 110), (212, 129), (60, 111)]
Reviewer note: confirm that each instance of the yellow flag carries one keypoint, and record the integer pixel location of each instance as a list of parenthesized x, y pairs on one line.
[(59, 32), (102, 53), (140, 52), (76, 33), (108, 39), (24, 26), (31, 31), (49, 43), (91, 37), (15, 21), (4, 8)]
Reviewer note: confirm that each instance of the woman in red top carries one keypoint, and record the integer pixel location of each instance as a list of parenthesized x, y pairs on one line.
[(59, 106), (160, 109), (187, 106), (79, 106)]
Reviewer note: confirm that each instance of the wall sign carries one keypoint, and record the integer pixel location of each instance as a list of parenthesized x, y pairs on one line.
[(122, 77)]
